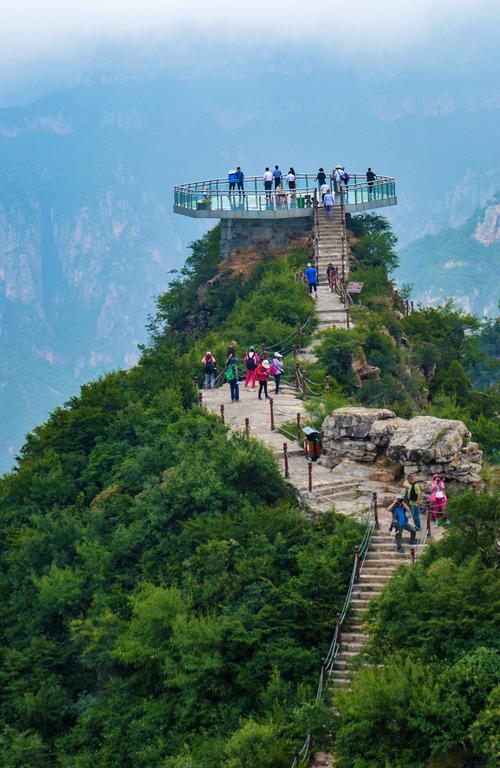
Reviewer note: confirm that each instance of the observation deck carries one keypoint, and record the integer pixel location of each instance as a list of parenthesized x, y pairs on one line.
[(212, 199)]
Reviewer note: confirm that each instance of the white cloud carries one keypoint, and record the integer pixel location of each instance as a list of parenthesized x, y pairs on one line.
[(33, 28)]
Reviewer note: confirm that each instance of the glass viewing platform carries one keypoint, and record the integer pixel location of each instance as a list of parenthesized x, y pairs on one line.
[(213, 198)]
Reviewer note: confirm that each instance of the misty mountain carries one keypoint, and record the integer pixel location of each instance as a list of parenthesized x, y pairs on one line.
[(461, 264), (87, 235)]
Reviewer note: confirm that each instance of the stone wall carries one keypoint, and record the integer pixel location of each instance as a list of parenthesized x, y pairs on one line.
[(264, 234), (421, 446)]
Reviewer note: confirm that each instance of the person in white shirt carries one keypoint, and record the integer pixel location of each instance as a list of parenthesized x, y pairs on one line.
[(323, 190), (268, 182), (328, 203), (290, 178)]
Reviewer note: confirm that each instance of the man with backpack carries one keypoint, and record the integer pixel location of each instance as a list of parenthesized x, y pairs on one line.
[(414, 496), (399, 511), (312, 279), (209, 363), (251, 361)]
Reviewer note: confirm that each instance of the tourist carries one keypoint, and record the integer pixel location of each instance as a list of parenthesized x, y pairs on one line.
[(276, 370), (281, 198), (337, 178), (328, 203), (209, 363), (414, 495), (370, 178), (232, 378), (262, 376), (312, 279), (268, 182), (231, 351), (438, 498), (323, 190), (399, 511), (321, 178), (251, 361), (232, 180), (240, 179), (290, 178), (277, 176), (331, 275)]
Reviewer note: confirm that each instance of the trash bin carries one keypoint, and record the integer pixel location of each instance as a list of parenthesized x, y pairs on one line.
[(312, 443), (300, 202)]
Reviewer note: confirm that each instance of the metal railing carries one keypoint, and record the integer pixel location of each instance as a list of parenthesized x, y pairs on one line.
[(216, 194), (328, 662)]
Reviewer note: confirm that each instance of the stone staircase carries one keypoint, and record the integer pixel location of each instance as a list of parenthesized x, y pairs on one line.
[(380, 562), (329, 309)]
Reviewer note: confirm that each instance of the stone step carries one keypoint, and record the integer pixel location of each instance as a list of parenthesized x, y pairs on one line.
[(358, 638), (359, 602), (341, 674), (378, 571), (345, 655), (351, 646), (366, 595), (389, 554)]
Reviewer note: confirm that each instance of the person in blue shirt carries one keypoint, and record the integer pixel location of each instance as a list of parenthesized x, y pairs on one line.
[(399, 511), (232, 180), (277, 176), (312, 279), (240, 178)]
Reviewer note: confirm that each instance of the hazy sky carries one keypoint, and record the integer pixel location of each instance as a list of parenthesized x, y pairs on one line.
[(32, 29)]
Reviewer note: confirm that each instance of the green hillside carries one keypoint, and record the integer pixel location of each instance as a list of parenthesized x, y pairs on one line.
[(460, 264), (165, 601)]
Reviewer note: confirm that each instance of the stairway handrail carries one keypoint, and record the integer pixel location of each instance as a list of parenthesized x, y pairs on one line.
[(328, 663)]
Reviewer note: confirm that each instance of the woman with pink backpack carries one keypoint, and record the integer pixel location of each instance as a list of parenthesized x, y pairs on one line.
[(438, 498)]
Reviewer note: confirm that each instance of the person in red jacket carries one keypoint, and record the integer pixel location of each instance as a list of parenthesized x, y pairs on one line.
[(251, 361), (262, 377)]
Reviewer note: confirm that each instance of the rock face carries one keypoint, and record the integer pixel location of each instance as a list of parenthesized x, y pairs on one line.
[(421, 446)]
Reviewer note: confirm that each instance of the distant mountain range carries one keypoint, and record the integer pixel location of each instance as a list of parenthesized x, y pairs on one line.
[(87, 235), (462, 264)]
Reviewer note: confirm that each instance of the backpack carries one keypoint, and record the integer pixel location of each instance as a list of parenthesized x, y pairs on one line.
[(251, 362), (412, 493), (273, 370), (230, 373), (346, 177)]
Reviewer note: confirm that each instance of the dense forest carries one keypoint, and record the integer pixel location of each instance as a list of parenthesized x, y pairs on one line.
[(165, 601)]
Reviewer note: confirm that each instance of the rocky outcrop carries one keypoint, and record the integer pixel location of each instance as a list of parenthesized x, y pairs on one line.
[(421, 446)]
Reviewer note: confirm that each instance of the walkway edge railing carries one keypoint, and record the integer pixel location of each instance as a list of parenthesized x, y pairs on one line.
[(329, 661)]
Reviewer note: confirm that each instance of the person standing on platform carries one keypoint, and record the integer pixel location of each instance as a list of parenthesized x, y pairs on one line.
[(262, 377), (276, 370), (209, 364), (232, 180), (277, 176), (370, 180), (251, 361), (414, 495), (290, 178), (399, 511), (240, 179), (438, 498), (268, 182), (232, 378), (321, 177)]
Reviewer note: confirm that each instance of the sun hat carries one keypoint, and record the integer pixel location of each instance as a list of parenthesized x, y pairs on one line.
[(436, 474), (278, 354), (265, 363)]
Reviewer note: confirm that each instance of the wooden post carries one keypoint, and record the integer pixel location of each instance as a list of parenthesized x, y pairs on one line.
[(428, 510), (412, 553), (222, 414), (247, 427), (271, 409), (299, 435), (200, 398), (357, 561), (196, 382), (412, 307), (339, 630), (285, 452), (327, 383), (294, 351), (375, 509), (299, 335), (310, 476)]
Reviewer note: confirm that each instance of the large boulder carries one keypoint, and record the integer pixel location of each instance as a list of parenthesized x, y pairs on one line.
[(427, 440), (354, 423)]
